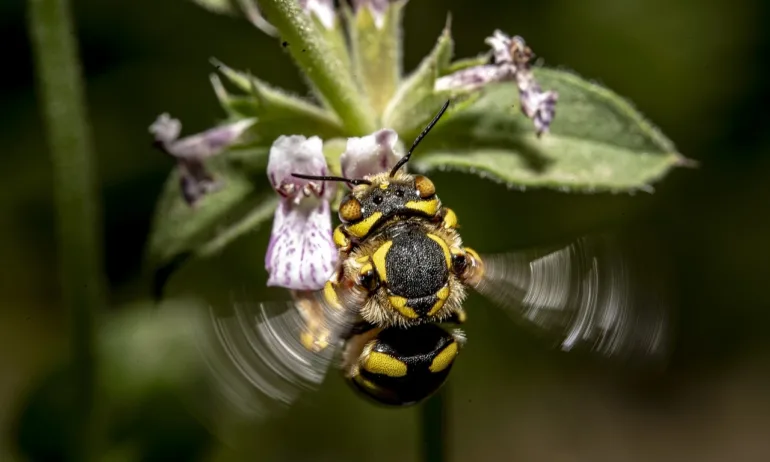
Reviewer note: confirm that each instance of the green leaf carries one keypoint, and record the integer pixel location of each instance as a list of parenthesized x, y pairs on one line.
[(377, 52), (248, 224), (180, 231), (277, 112), (416, 102), (597, 142)]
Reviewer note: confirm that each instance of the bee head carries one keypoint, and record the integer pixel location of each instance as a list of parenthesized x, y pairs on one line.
[(403, 195)]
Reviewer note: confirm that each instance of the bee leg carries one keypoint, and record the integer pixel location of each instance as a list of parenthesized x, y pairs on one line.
[(448, 218), (457, 317), (355, 345), (315, 335), (359, 328), (341, 240), (469, 266)]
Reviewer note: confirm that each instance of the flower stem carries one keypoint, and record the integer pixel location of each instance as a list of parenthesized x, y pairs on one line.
[(77, 217), (434, 423), (312, 53)]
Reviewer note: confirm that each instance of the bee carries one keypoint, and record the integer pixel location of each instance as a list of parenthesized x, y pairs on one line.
[(390, 316)]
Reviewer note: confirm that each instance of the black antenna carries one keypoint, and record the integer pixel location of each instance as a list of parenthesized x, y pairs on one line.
[(432, 123), (331, 178)]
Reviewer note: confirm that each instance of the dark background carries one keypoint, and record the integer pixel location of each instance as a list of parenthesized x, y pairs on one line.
[(696, 68)]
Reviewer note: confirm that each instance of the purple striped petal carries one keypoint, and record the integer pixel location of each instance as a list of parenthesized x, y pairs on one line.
[(301, 254)]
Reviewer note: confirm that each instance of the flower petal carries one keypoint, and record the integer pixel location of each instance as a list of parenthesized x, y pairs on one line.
[(301, 254), (209, 143), (298, 154), (473, 78), (371, 154), (165, 129)]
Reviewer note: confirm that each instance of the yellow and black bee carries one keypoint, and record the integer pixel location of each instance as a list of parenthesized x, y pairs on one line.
[(404, 272)]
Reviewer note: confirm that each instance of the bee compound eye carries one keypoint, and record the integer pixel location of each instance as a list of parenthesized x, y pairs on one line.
[(425, 187), (350, 210)]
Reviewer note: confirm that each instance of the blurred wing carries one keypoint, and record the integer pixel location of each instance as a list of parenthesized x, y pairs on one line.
[(262, 357), (591, 293)]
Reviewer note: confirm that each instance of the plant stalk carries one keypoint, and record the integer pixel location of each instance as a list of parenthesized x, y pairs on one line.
[(312, 53), (434, 427), (79, 241)]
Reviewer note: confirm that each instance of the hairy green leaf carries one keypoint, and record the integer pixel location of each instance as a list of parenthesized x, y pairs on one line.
[(416, 102), (598, 142), (180, 231), (276, 111), (249, 223)]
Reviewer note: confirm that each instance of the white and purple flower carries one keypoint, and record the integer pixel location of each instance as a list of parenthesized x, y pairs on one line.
[(370, 154), (511, 58), (301, 254)]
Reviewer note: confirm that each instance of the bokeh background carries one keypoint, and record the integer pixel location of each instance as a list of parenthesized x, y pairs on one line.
[(697, 68)]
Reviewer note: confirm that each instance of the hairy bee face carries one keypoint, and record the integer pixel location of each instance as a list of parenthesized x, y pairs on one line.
[(368, 206), (400, 367)]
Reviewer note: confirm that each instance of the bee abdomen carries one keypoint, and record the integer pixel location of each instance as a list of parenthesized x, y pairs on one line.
[(404, 366)]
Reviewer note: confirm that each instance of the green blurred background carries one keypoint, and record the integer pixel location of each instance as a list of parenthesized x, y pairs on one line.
[(696, 68)]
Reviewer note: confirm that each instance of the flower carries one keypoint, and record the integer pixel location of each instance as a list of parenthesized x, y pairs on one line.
[(370, 154), (191, 151), (301, 254), (510, 61)]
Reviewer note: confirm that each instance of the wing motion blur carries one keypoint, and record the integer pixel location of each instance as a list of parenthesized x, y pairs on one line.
[(264, 356), (590, 294)]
